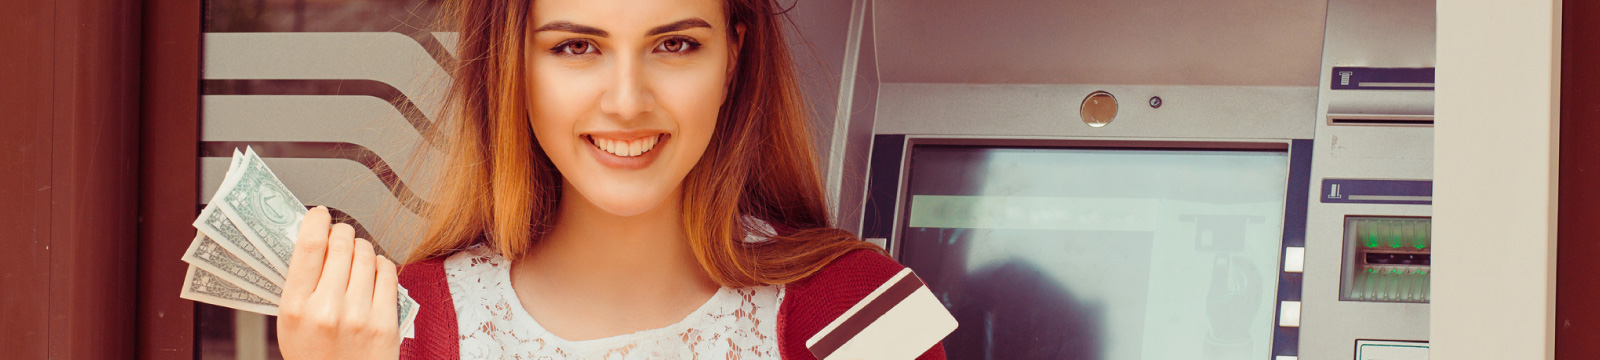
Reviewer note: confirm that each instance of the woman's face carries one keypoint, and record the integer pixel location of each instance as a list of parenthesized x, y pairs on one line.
[(624, 94)]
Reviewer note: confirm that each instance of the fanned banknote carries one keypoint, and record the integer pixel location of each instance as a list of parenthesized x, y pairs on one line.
[(215, 226), (246, 240), (202, 286), (408, 313), (211, 257), (262, 208)]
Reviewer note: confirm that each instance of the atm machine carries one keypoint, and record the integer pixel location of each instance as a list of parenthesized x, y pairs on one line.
[(1149, 179)]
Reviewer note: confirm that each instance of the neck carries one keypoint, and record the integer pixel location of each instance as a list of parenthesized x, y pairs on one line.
[(590, 250)]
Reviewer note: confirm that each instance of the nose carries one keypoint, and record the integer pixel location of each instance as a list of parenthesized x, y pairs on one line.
[(628, 97)]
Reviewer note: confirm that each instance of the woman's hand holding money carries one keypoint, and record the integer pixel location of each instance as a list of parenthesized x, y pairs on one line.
[(339, 296)]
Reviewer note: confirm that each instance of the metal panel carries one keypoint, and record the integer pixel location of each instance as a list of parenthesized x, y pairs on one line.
[(1367, 33), (1203, 112), (852, 137), (1131, 42)]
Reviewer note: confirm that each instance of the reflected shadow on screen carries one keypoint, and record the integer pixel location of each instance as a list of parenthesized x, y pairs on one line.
[(1000, 320), (1011, 322)]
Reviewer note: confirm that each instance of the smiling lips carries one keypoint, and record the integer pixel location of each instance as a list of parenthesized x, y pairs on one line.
[(626, 148)]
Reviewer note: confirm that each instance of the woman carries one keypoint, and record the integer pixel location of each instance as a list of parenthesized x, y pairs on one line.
[(625, 179)]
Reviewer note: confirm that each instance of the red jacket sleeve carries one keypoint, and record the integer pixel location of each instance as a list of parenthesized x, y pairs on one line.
[(811, 303), (435, 326)]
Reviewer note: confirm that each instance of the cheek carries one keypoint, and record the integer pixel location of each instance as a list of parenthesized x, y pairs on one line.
[(696, 100), (555, 103)]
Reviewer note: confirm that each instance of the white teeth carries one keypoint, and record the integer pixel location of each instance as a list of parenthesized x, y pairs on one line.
[(624, 148)]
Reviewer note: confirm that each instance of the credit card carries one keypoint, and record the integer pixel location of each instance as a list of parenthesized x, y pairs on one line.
[(901, 319)]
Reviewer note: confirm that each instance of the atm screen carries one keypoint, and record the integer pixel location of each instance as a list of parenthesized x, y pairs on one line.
[(1052, 253)]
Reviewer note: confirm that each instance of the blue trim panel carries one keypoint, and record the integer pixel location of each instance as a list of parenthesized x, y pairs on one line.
[(1367, 78), (883, 186), (1289, 286), (1286, 340), (1419, 192), (1298, 194)]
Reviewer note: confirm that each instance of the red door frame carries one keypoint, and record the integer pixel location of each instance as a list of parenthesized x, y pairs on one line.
[(169, 157), (1578, 201)]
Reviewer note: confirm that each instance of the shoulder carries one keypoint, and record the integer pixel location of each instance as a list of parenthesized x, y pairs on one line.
[(428, 282), (435, 325), (811, 303), (847, 279), (438, 271)]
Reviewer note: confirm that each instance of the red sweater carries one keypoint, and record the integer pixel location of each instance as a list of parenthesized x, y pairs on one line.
[(808, 305)]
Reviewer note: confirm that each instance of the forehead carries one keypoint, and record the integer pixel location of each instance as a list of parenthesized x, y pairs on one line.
[(627, 17)]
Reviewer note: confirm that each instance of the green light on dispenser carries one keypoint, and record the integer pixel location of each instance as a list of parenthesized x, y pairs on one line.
[(1395, 230), (1423, 236), (1364, 231), (1371, 229)]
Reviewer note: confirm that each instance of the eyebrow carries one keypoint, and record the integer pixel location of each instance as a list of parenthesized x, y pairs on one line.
[(568, 26)]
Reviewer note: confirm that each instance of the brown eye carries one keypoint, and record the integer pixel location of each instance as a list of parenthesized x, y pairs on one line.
[(677, 45), (673, 45), (577, 47)]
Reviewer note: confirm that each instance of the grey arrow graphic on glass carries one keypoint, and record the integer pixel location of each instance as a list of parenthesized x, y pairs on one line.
[(208, 255), (200, 285), (216, 226), (262, 208)]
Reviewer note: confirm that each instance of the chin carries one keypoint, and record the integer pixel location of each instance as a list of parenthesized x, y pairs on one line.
[(625, 203)]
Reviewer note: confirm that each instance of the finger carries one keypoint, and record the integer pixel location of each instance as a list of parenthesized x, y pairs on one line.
[(310, 248), (385, 295), (358, 297), (336, 270)]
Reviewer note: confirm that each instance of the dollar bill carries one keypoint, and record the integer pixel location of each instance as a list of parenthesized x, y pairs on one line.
[(262, 208), (408, 314), (208, 255), (200, 285), (216, 227), (246, 241)]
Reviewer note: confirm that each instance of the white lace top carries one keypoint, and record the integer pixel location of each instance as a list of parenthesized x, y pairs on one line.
[(733, 324)]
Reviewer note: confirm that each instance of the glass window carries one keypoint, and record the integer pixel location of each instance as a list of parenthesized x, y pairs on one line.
[(246, 107)]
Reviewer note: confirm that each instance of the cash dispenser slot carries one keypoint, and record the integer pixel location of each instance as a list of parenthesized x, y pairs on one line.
[(1387, 259)]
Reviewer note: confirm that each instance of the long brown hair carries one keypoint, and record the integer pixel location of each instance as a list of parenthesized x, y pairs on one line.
[(498, 186)]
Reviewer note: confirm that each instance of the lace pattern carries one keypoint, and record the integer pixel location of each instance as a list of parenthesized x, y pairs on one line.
[(733, 324)]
